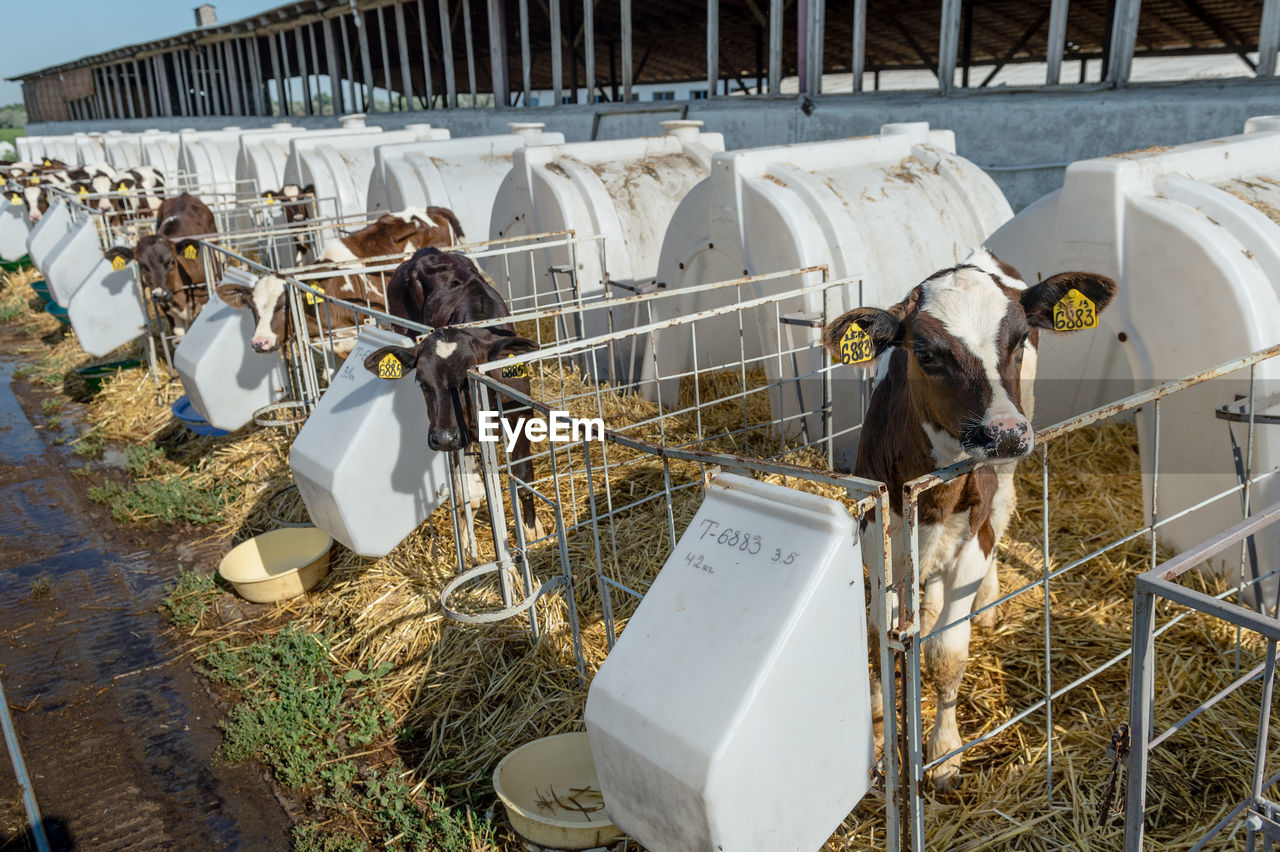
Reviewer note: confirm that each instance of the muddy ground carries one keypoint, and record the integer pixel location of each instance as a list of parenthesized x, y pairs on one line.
[(117, 729)]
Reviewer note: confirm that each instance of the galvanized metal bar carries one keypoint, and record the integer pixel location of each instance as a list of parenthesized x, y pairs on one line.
[(469, 43), (286, 88), (348, 69), (1057, 41), (948, 45), (1048, 634), (713, 46), (274, 51), (35, 822), (209, 85), (1264, 721), (557, 57), (232, 76), (132, 111), (117, 102), (366, 62), (98, 86), (1124, 34), (1141, 695), (1193, 556), (908, 634), (1268, 38), (402, 42), (429, 97), (625, 12), (814, 34), (589, 48), (498, 54), (380, 16), (1206, 705), (331, 58), (304, 78), (859, 62), (315, 67), (446, 34), (187, 90), (775, 46)]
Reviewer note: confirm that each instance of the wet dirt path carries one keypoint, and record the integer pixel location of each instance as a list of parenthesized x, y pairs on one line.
[(118, 735)]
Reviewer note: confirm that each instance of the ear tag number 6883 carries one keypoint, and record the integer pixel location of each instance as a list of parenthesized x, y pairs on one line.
[(856, 346), (389, 367), (1074, 311)]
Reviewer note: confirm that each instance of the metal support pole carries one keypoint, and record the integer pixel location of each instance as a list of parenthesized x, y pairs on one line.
[(180, 74), (303, 77), (498, 54), (366, 63), (386, 57), (1269, 38), (859, 63), (1141, 696), (526, 67), (446, 36), (315, 65), (557, 57), (1057, 42), (1124, 33), (335, 72), (233, 77), (469, 38), (589, 49), (626, 51), (97, 93), (253, 47), (116, 96), (814, 33), (948, 45), (348, 67), (713, 46), (280, 61), (128, 90), (402, 42), (775, 46), (426, 53)]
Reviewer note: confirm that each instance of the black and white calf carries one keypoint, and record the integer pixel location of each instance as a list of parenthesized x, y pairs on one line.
[(954, 384)]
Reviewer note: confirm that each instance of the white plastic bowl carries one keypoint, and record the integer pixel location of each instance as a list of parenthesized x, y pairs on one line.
[(546, 769), (277, 565)]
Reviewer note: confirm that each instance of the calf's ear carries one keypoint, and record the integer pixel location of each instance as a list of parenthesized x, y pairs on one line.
[(119, 256), (236, 295), (391, 362), (862, 335), (1040, 300), (506, 345), (187, 249)]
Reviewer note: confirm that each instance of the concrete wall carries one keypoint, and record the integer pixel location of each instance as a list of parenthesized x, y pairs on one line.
[(1024, 138)]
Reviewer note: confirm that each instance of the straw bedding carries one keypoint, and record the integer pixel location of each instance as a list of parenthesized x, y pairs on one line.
[(467, 695)]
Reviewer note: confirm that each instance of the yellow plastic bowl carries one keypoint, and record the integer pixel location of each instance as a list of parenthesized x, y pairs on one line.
[(277, 565), (530, 779)]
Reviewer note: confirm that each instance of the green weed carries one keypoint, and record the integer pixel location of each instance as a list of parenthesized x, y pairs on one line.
[(50, 404), (170, 498), (90, 444), (10, 311), (39, 588), (189, 597)]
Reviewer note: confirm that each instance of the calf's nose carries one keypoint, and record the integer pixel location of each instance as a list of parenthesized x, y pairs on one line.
[(1008, 437), (262, 344), (444, 439)]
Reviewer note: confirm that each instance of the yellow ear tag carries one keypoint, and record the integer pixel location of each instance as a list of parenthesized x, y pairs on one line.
[(122, 189), (1074, 311), (855, 346), (311, 298), (389, 367), (35, 179), (46, 162), (515, 371), (84, 193), (191, 252), (118, 262), (15, 198), (271, 199)]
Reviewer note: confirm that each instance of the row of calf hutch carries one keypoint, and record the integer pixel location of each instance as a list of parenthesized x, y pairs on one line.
[(1192, 233)]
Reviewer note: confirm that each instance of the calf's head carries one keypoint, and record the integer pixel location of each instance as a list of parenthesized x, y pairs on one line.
[(158, 260), (268, 303), (963, 333), (440, 364)]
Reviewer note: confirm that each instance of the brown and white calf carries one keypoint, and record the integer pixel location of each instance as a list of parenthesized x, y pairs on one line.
[(169, 261), (953, 389), (448, 289), (391, 234)]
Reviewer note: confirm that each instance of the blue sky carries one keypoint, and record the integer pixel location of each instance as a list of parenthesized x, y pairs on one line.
[(41, 33)]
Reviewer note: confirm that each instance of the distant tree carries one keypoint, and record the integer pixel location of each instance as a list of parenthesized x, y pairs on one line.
[(13, 116)]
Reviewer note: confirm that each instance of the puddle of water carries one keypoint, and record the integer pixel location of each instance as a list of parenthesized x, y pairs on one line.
[(18, 439)]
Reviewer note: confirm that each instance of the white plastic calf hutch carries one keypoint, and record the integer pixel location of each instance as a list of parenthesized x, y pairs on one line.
[(45, 235), (461, 174), (160, 150), (361, 460), (624, 190), (340, 165), (208, 157), (224, 378), (1192, 235), (892, 208), (717, 721), (90, 148), (124, 150), (106, 308), (15, 227)]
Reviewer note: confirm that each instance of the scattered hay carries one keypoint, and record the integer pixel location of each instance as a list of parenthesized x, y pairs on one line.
[(464, 696), (1250, 193)]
